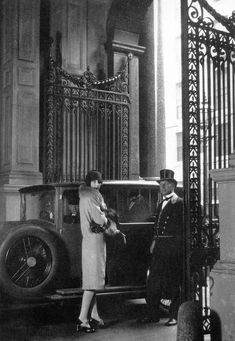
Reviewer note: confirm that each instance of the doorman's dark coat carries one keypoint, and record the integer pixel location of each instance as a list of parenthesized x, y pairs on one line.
[(166, 265)]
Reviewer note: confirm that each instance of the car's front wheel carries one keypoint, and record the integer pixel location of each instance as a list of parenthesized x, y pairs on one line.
[(29, 262)]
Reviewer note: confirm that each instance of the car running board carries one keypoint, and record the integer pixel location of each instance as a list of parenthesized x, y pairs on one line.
[(72, 293)]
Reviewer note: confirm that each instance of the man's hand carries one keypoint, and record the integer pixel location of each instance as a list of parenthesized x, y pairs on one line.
[(152, 246)]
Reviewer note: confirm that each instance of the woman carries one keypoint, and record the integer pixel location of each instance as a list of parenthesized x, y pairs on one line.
[(92, 208)]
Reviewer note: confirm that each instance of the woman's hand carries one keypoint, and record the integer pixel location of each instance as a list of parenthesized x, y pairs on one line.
[(111, 229)]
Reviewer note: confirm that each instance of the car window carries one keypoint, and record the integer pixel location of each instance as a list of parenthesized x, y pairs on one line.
[(132, 204), (71, 206), (47, 206), (38, 205)]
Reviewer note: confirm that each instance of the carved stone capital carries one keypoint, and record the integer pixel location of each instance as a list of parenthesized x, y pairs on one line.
[(129, 49)]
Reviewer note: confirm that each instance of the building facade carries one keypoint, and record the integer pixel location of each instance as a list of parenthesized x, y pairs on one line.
[(79, 34), (99, 34)]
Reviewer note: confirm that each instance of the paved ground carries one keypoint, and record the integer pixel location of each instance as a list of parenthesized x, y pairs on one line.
[(57, 324)]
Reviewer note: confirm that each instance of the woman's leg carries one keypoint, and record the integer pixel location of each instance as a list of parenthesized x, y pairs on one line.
[(87, 298), (96, 320), (94, 309)]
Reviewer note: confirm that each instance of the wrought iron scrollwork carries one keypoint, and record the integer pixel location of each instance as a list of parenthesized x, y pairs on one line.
[(228, 23), (197, 14), (117, 83), (210, 62), (210, 117), (87, 126)]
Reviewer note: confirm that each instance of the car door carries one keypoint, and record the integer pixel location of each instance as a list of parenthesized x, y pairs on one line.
[(72, 233), (127, 263)]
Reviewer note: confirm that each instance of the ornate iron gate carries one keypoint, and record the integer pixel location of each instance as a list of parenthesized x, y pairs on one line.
[(87, 126), (208, 110)]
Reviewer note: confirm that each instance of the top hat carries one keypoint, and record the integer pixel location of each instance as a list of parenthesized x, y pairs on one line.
[(168, 175)]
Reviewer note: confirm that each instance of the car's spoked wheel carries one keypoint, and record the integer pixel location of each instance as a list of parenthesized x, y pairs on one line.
[(28, 261)]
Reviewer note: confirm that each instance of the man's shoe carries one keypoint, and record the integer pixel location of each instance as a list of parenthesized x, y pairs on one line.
[(148, 319), (171, 322)]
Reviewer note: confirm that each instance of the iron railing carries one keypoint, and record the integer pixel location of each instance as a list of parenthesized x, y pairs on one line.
[(209, 122), (86, 128)]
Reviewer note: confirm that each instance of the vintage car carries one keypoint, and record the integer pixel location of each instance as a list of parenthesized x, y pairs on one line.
[(40, 255)]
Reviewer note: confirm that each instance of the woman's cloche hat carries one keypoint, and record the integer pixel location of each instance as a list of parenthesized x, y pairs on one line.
[(93, 175), (168, 175)]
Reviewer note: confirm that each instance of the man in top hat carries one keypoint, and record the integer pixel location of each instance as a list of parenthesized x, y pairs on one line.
[(165, 273)]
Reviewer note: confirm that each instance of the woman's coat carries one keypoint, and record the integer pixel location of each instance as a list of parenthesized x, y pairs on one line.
[(93, 244)]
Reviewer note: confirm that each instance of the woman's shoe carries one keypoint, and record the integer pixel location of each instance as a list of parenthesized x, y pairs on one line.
[(84, 327), (97, 323)]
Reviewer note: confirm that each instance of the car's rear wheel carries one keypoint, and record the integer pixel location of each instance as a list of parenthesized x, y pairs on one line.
[(29, 262)]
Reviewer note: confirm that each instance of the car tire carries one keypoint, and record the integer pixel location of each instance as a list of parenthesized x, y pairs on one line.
[(29, 262)]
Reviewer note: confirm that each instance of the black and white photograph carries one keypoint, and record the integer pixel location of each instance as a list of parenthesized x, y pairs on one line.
[(117, 170)]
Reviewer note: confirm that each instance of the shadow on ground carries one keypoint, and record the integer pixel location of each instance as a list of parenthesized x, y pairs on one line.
[(58, 322)]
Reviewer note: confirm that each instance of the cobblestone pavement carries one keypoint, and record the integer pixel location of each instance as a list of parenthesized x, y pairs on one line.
[(57, 324)]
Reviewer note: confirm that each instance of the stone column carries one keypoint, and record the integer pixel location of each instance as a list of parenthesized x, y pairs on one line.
[(223, 273), (126, 44), (19, 110), (152, 102)]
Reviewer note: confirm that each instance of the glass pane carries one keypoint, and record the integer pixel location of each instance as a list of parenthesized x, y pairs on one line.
[(132, 203), (70, 206), (40, 205)]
